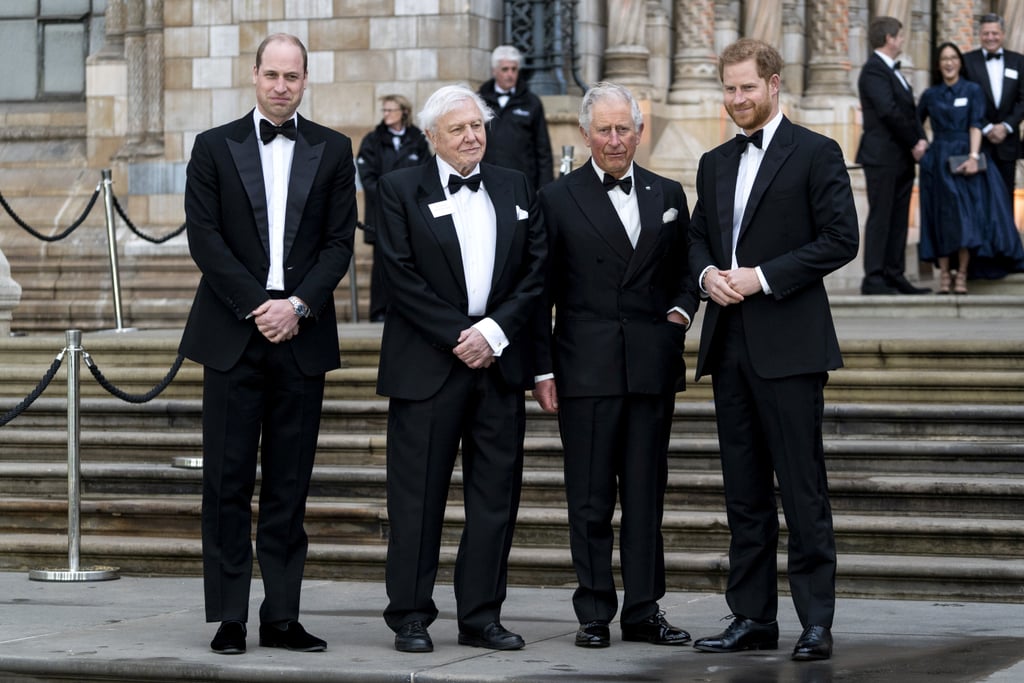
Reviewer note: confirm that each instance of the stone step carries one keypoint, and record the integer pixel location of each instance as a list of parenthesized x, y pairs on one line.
[(107, 419), (890, 576), (366, 522), (997, 496)]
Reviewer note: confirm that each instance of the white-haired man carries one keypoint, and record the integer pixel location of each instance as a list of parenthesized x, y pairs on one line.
[(518, 134), (463, 249)]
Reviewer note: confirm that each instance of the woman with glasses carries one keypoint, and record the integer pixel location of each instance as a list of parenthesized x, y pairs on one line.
[(394, 143), (966, 220)]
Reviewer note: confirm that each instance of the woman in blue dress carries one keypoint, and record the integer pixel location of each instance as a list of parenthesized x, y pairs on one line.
[(966, 219)]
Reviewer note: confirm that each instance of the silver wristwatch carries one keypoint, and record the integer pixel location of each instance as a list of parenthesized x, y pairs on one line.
[(301, 309)]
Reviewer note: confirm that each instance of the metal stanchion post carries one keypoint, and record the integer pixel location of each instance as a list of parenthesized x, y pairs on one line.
[(567, 155), (73, 571), (115, 275)]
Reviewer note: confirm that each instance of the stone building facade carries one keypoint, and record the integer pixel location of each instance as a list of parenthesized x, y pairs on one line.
[(168, 69)]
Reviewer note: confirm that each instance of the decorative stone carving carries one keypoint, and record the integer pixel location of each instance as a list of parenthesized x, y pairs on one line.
[(695, 67), (626, 57), (829, 65)]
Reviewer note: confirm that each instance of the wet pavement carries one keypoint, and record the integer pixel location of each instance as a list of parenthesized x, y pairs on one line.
[(152, 629)]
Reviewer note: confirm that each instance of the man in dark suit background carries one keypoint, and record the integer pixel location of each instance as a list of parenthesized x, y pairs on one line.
[(463, 250), (999, 71), (623, 296), (270, 209), (892, 142), (774, 216)]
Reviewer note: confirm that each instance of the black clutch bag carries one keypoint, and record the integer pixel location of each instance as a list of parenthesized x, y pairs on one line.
[(957, 159)]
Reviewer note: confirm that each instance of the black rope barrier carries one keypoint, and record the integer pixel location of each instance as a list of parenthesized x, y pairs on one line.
[(132, 398), (50, 238), (40, 388), (131, 226)]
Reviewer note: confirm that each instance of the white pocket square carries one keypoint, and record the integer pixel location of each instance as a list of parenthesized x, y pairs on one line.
[(520, 214), (669, 216)]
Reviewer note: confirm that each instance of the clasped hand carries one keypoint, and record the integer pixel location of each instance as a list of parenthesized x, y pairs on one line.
[(726, 287), (276, 320), (473, 349)]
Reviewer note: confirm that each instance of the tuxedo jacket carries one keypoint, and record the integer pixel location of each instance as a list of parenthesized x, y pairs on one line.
[(799, 224), (228, 237), (423, 267), (611, 336), (1011, 104), (890, 124)]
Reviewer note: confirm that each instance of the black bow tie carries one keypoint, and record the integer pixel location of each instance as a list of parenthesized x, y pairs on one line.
[(610, 182), (455, 183), (755, 140), (993, 55), (269, 131), (895, 66)]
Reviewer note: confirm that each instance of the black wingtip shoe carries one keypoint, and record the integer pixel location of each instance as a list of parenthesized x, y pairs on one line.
[(293, 638), (494, 636), (815, 643), (413, 637), (742, 634), (654, 629), (593, 634), (230, 639)]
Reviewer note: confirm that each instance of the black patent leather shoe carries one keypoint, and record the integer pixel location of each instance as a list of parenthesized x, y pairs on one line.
[(293, 638), (874, 285), (593, 634), (654, 629), (230, 639), (494, 636), (904, 286), (413, 637), (814, 643), (742, 634)]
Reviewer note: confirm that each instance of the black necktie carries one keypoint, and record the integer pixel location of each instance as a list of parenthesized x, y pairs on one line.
[(269, 131), (896, 66), (755, 140), (993, 55), (455, 182), (610, 182)]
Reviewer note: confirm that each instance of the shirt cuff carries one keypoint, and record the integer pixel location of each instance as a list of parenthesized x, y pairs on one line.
[(493, 333), (682, 313), (700, 279), (986, 129), (764, 283), (545, 376), (1009, 128)]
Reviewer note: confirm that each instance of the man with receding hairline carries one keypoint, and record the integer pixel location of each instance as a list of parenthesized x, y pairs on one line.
[(270, 211)]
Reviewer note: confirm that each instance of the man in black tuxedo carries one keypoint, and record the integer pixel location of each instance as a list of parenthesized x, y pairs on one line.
[(270, 209), (623, 295), (774, 216), (463, 251), (999, 71), (892, 142)]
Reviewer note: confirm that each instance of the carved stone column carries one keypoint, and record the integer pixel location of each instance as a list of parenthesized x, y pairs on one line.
[(1013, 14), (695, 65), (762, 19), (792, 48), (154, 86), (954, 21), (113, 29), (135, 55), (626, 57), (829, 74), (727, 24)]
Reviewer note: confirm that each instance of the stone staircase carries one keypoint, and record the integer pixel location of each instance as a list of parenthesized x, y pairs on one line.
[(923, 438)]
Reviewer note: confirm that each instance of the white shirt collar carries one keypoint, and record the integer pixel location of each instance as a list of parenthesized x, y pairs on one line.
[(600, 172), (769, 129), (889, 61), (444, 169)]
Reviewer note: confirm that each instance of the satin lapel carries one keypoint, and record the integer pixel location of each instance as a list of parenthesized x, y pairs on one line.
[(651, 202), (591, 197), (244, 151), (502, 196), (443, 227), (305, 161), (778, 151), (727, 167)]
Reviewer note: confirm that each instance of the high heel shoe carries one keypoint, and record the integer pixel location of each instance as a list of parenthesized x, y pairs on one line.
[(960, 287), (945, 281)]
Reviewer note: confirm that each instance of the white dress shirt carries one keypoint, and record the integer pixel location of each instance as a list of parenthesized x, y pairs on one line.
[(276, 157), (476, 227)]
